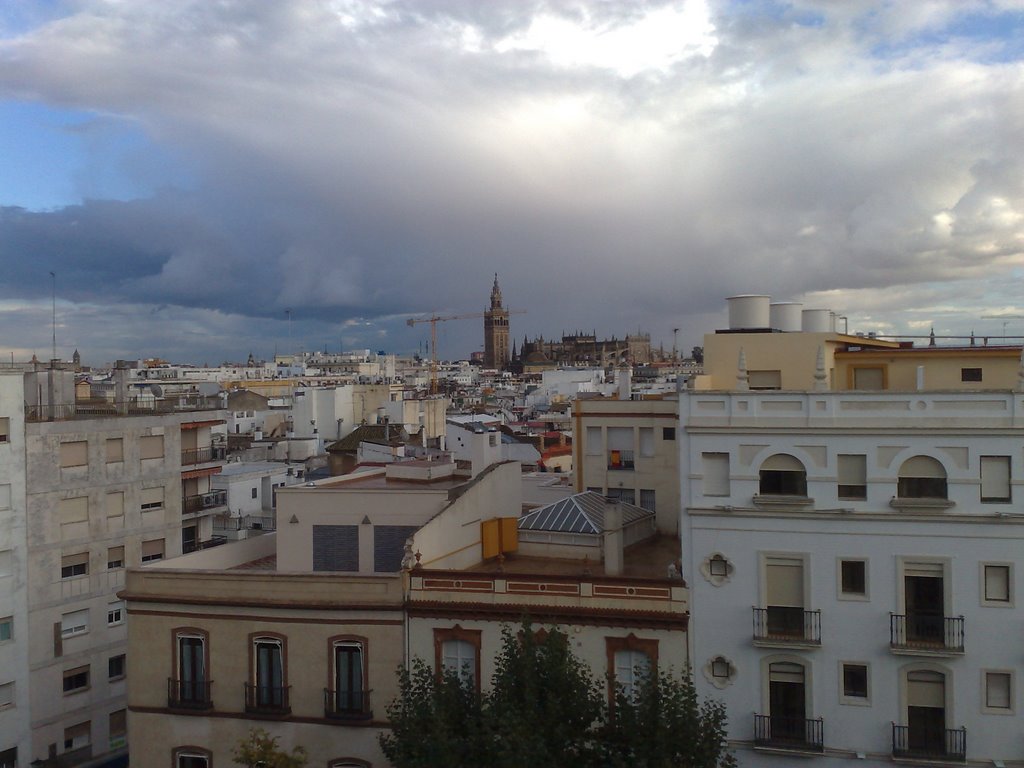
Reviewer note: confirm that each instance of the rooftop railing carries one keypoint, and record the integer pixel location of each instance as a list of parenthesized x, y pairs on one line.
[(95, 409)]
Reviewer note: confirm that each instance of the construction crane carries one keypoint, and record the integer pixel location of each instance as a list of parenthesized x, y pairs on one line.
[(434, 320)]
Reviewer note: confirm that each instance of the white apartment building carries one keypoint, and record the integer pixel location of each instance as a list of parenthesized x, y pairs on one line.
[(89, 488), (854, 560)]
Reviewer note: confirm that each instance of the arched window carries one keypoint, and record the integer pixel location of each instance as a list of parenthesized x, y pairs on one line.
[(783, 475), (922, 477)]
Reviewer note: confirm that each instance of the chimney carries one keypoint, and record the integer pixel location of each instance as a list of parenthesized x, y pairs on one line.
[(625, 382), (613, 537)]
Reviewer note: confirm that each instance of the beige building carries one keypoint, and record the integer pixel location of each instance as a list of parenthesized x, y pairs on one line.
[(627, 449), (301, 632)]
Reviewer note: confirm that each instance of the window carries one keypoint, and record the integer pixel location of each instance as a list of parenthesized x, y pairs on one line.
[(593, 437), (716, 473), (348, 694), (457, 650), (783, 475), (151, 447), (117, 728), (999, 692), (6, 629), (629, 661), (191, 757), (625, 495), (668, 433), (72, 566), (77, 736), (720, 668), (647, 499), (718, 566), (855, 683), (74, 454), (996, 584), (9, 758), (970, 374), (853, 579), (74, 517), (620, 447), (191, 688), (74, 623), (6, 562), (115, 613), (115, 667), (783, 616), (853, 476), (115, 504), (995, 479), (647, 442), (5, 503), (764, 379), (76, 680), (268, 690), (922, 477), (5, 429), (254, 493), (115, 450), (152, 498), (115, 557), (869, 378), (152, 550), (6, 695)]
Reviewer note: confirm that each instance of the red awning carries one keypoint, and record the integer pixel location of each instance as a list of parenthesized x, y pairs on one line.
[(200, 473), (198, 424)]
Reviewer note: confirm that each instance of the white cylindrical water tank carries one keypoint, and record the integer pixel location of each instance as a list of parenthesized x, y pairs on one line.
[(818, 321), (749, 311), (785, 316)]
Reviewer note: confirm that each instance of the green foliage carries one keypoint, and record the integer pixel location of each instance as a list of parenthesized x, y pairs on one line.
[(259, 750), (697, 353), (546, 708), (665, 725)]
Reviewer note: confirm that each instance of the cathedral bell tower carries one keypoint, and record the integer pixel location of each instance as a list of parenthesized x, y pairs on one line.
[(496, 331)]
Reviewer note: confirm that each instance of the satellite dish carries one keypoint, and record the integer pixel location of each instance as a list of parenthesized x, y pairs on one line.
[(157, 390)]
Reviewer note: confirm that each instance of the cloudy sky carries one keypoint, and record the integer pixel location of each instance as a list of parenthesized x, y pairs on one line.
[(190, 170)]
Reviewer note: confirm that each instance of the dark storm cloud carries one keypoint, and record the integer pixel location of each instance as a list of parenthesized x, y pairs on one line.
[(622, 165)]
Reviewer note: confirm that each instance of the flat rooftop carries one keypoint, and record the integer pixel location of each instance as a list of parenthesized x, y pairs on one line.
[(376, 480), (647, 559)]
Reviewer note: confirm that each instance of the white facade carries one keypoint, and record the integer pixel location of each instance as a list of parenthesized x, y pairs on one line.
[(855, 561)]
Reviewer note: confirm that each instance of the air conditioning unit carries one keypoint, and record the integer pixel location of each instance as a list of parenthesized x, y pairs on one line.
[(209, 499)]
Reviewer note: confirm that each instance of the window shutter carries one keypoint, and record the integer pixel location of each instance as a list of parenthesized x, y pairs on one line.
[(853, 469), (785, 584), (151, 447), (74, 510), (995, 478), (620, 439), (926, 689), (74, 454), (716, 474), (997, 583)]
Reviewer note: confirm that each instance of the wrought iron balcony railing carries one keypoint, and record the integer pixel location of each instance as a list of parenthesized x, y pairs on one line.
[(199, 502), (789, 732), (351, 705), (267, 699), (926, 632), (777, 624), (929, 743), (202, 455), (189, 694)]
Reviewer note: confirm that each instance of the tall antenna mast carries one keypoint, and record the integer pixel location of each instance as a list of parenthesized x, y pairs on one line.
[(53, 276)]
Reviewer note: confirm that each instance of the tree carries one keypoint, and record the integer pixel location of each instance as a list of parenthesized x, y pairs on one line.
[(546, 708), (663, 724), (697, 353), (259, 750)]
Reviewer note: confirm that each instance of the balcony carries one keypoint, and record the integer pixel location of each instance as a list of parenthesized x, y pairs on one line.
[(949, 744), (194, 546), (799, 733), (266, 523), (189, 694), (781, 626), (205, 455), (347, 705), (926, 635), (203, 501), (136, 406), (267, 700), (620, 459)]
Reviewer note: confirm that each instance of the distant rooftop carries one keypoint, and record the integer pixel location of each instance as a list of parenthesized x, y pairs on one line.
[(579, 513)]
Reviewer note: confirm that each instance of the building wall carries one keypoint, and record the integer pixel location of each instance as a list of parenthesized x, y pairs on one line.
[(657, 469), (943, 368), (736, 521), (14, 653)]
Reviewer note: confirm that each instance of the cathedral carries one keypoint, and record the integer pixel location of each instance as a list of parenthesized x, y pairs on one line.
[(580, 350)]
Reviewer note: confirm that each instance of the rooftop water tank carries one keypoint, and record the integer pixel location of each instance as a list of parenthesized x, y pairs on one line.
[(785, 316), (748, 311), (819, 321)]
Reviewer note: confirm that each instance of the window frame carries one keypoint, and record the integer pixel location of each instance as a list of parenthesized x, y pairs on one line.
[(74, 673), (988, 708), (77, 629), (113, 565), (5, 429), (152, 558), (118, 607), (1008, 498), (191, 633), (71, 571), (917, 483), (69, 443), (668, 433), (190, 751), (848, 699), (987, 601), (630, 642), (472, 636), (7, 621), (270, 638), (841, 593), (783, 478), (124, 667), (337, 641), (972, 375), (10, 686)]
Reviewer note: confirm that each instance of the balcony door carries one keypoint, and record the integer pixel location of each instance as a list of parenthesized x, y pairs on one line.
[(269, 682), (191, 669), (787, 701), (924, 602), (348, 677), (926, 712), (784, 597)]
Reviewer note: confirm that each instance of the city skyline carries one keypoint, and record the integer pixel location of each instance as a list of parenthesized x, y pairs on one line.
[(191, 172)]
